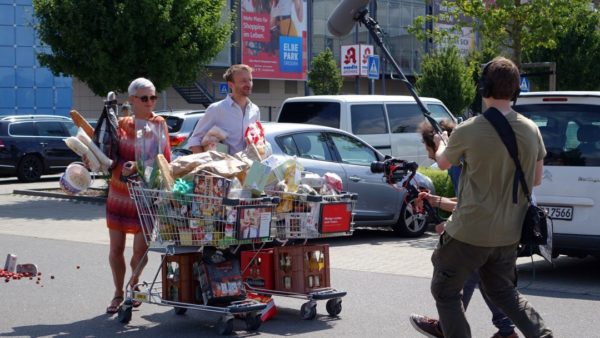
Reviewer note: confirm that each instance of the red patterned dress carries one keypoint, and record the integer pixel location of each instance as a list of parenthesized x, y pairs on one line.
[(121, 214)]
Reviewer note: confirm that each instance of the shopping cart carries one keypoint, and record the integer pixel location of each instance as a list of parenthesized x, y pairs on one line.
[(183, 228), (303, 216), (301, 271)]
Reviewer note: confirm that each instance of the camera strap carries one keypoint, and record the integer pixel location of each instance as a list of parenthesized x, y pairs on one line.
[(507, 134)]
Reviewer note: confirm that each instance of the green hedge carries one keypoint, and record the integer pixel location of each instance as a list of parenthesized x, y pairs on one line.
[(441, 181), (442, 185)]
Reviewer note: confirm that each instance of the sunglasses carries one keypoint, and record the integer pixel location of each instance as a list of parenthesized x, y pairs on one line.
[(145, 98)]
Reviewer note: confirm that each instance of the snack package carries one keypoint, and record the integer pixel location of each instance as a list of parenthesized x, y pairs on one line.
[(313, 180), (257, 146), (212, 138), (333, 184)]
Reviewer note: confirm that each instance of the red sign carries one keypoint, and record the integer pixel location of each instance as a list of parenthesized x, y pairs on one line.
[(335, 217)]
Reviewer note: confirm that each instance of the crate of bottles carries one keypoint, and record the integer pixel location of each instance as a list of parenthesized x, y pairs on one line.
[(301, 269), (178, 281)]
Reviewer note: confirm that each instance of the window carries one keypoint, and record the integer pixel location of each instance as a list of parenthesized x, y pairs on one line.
[(306, 145), (368, 119), (438, 112), (51, 128), (22, 129), (404, 118), (571, 132), (352, 150), (319, 113)]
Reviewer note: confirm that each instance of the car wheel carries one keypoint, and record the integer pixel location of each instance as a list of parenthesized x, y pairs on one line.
[(410, 223), (30, 169)]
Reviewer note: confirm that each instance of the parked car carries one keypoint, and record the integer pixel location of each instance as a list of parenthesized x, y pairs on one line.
[(387, 122), (322, 149), (570, 126), (181, 124), (33, 145)]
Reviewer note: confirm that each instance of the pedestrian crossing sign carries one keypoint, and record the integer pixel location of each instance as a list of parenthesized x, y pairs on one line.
[(373, 66)]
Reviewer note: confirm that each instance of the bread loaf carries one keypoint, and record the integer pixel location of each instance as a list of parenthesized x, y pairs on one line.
[(80, 122), (165, 172)]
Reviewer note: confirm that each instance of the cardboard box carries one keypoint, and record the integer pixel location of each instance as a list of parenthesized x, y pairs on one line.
[(254, 222)]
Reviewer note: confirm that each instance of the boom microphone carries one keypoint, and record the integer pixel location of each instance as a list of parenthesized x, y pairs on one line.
[(344, 16)]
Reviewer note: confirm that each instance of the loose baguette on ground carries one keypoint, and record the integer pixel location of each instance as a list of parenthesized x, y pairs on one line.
[(82, 123)]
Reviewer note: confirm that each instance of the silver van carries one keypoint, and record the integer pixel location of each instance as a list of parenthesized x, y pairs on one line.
[(387, 122)]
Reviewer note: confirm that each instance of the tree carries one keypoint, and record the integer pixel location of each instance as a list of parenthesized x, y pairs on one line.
[(576, 54), (325, 77), (106, 44), (445, 75), (506, 24)]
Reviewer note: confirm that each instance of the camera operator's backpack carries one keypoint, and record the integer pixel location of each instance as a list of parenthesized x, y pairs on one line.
[(106, 136)]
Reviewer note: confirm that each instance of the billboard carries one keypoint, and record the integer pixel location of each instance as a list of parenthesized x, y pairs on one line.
[(274, 38)]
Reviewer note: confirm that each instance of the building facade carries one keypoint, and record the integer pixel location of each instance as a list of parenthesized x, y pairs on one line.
[(27, 88)]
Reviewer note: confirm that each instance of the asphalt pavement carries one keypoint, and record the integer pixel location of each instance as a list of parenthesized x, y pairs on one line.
[(386, 278)]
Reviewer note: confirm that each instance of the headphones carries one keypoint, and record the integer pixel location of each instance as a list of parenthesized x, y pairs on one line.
[(485, 87)]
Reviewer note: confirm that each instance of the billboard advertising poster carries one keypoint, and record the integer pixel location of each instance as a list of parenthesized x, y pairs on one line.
[(274, 38)]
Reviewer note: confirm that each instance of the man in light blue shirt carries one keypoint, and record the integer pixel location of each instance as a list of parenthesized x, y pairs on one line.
[(232, 114)]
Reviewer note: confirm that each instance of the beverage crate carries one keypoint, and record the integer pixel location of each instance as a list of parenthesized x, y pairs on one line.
[(258, 268), (178, 282), (301, 269)]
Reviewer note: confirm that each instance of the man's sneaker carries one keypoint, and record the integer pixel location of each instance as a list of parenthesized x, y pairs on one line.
[(428, 326), (512, 335)]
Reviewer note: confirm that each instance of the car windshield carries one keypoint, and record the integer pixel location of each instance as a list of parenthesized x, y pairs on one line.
[(173, 123), (320, 113), (571, 132)]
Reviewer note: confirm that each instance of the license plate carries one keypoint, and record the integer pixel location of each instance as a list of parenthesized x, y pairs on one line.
[(564, 213)]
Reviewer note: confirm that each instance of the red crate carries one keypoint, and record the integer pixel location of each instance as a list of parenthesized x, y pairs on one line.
[(258, 268), (178, 281), (301, 269)]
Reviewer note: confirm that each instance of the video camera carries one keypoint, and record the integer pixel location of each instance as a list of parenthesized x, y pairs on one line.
[(393, 169)]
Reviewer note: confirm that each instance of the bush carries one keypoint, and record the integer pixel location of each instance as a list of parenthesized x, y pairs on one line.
[(441, 181), (442, 185)]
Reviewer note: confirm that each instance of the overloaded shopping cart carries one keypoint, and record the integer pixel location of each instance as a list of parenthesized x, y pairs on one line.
[(299, 270), (198, 236)]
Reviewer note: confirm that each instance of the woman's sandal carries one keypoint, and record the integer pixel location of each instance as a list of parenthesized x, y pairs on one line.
[(115, 305)]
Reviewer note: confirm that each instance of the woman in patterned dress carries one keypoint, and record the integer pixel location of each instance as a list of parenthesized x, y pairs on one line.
[(121, 213)]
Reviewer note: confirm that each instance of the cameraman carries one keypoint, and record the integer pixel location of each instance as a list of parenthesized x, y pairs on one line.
[(426, 325), (484, 231)]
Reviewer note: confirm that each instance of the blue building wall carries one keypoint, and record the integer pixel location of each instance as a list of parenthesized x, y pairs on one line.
[(25, 86)]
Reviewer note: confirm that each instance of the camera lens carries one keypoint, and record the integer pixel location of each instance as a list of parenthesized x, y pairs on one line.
[(377, 167)]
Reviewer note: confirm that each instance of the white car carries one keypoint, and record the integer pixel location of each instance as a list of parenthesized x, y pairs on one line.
[(570, 125)]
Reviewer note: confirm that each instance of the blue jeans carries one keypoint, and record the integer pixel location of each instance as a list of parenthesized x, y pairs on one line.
[(499, 319)]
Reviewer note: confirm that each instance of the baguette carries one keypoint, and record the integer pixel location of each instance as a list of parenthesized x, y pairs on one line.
[(165, 172), (82, 123)]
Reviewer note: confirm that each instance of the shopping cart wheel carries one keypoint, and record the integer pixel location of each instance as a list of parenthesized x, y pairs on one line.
[(253, 321), (308, 310), (334, 306), (124, 315), (180, 310), (225, 325)]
